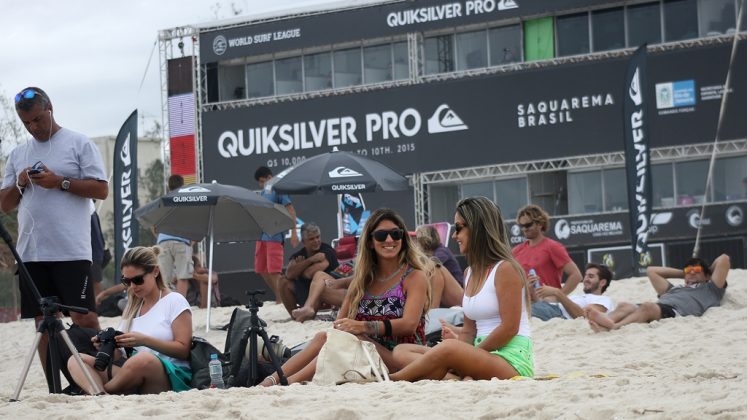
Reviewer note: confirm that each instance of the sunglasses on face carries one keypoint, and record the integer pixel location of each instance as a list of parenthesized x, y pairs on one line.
[(26, 94), (380, 235), (693, 269), (137, 280), (458, 227), (526, 225)]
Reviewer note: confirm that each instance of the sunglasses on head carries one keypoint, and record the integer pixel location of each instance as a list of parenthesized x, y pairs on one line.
[(693, 269), (137, 280), (26, 94), (380, 235), (457, 227)]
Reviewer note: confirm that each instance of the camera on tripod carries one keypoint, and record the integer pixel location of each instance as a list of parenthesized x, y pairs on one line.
[(106, 351), (254, 300)]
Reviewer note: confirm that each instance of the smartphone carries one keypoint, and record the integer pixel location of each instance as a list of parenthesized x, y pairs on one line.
[(37, 168)]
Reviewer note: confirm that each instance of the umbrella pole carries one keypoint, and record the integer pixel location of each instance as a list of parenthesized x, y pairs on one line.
[(210, 273)]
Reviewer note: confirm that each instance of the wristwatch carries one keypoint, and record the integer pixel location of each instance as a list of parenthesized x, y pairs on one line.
[(65, 184)]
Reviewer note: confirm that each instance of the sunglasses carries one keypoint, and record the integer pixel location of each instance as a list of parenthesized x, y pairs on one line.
[(693, 269), (526, 225), (26, 94), (137, 280), (458, 228), (380, 235)]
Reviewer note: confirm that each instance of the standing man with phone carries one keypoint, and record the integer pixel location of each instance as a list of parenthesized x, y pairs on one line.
[(53, 199)]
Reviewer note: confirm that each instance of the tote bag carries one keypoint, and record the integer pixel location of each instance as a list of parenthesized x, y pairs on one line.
[(346, 358)]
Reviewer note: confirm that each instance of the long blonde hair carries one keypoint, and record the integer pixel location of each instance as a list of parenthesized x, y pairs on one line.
[(488, 242), (147, 259), (366, 260)]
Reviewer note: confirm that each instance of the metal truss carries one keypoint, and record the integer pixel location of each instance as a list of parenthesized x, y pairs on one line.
[(423, 180)]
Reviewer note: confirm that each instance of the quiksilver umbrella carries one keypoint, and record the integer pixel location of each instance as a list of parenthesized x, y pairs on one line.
[(220, 212), (337, 173)]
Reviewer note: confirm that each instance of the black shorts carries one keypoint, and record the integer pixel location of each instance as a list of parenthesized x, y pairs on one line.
[(667, 311), (68, 280)]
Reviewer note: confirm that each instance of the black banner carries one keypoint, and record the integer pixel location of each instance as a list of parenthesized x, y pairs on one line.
[(619, 259), (560, 111), (637, 158), (380, 20), (677, 223), (126, 227)]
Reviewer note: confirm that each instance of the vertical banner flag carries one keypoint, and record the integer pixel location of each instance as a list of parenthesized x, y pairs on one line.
[(637, 162), (126, 226)]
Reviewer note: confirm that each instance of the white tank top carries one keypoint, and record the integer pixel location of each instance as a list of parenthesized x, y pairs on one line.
[(484, 310)]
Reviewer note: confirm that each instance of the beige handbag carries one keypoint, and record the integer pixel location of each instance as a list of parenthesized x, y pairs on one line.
[(345, 358)]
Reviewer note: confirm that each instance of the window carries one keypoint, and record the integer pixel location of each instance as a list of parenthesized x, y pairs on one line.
[(439, 54), (730, 178), (662, 185), (608, 29), (484, 189), (644, 24), (401, 61), (717, 17), (231, 82), (377, 64), (680, 20), (348, 68), (318, 71), (539, 39), (511, 195), (615, 189), (505, 45), (549, 191), (259, 80), (288, 75), (573, 34), (690, 182), (472, 50), (585, 192), (442, 201)]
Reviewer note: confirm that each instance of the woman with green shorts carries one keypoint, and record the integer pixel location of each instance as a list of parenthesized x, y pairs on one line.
[(495, 341)]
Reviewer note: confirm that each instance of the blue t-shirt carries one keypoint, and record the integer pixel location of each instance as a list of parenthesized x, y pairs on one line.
[(281, 199), (165, 237)]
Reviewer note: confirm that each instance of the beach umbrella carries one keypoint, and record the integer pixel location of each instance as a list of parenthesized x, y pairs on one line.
[(219, 212), (337, 173)]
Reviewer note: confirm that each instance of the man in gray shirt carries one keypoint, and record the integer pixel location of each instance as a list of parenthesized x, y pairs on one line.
[(51, 179), (704, 287)]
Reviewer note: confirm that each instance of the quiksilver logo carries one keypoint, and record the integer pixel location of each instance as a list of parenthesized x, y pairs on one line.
[(190, 199), (348, 187), (193, 189), (444, 119), (343, 172)]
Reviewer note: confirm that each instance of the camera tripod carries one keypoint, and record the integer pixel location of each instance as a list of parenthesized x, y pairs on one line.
[(49, 306), (254, 329)]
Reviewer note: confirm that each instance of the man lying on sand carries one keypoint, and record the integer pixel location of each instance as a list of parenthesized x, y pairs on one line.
[(704, 287)]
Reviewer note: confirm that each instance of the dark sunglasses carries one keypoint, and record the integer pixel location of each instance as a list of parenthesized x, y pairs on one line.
[(380, 235), (26, 94), (457, 227), (137, 280), (526, 225)]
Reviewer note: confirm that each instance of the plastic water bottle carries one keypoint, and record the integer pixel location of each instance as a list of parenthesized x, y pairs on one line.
[(216, 372), (533, 273)]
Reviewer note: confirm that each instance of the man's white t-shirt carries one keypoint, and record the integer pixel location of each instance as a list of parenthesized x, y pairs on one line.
[(157, 321), (588, 299)]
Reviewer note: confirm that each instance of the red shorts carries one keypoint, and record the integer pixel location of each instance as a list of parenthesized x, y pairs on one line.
[(268, 257)]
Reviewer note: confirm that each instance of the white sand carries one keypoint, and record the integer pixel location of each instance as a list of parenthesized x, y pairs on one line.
[(679, 368)]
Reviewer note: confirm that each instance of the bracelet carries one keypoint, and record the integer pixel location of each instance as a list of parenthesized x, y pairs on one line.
[(373, 327), (387, 328)]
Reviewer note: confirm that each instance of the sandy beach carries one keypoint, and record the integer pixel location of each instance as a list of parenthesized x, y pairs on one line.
[(677, 368)]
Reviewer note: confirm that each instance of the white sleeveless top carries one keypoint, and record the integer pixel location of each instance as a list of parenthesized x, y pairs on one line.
[(484, 310)]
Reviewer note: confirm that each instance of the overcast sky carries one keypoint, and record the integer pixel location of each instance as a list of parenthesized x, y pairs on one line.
[(90, 56)]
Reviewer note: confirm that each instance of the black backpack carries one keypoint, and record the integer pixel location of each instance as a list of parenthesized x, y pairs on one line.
[(81, 338), (199, 357)]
